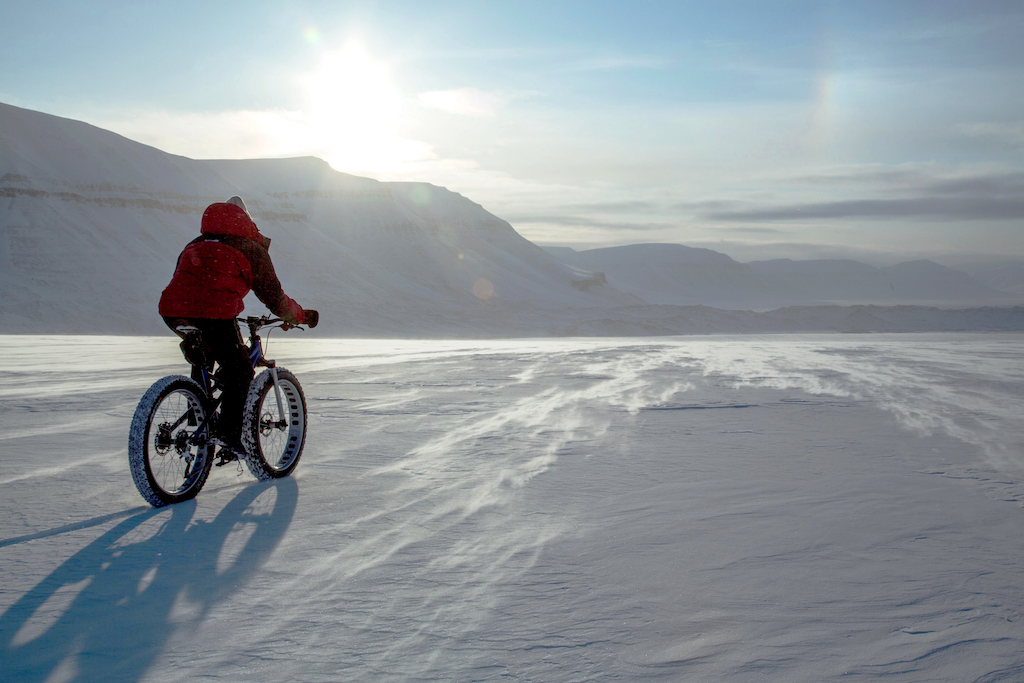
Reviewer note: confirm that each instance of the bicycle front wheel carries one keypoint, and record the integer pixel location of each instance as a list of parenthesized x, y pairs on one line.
[(273, 439), (167, 464)]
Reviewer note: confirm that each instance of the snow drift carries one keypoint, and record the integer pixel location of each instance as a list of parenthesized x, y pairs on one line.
[(806, 509)]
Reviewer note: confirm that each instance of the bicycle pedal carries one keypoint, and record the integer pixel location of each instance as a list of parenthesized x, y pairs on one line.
[(226, 457)]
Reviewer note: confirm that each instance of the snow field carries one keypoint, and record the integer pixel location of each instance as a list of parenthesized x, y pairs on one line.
[(797, 508)]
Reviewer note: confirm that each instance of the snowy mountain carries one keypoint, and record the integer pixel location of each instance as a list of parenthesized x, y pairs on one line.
[(674, 274), (1006, 276), (92, 224), (684, 276)]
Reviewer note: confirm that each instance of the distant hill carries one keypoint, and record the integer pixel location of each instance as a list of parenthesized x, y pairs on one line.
[(1006, 276), (678, 275), (684, 276)]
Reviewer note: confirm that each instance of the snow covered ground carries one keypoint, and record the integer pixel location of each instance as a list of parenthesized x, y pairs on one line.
[(790, 508)]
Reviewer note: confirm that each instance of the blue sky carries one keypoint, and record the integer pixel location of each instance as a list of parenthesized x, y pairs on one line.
[(873, 130)]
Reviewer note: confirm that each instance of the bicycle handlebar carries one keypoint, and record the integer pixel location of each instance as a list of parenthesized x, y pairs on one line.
[(255, 323)]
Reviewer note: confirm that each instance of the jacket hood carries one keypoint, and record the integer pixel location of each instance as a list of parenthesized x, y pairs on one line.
[(223, 218)]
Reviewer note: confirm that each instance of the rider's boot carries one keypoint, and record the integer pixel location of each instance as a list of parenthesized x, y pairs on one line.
[(230, 448)]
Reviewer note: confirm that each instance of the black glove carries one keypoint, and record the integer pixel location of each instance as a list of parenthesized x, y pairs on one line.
[(311, 317)]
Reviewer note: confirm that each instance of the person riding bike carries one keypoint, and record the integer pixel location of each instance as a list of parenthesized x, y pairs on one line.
[(213, 274)]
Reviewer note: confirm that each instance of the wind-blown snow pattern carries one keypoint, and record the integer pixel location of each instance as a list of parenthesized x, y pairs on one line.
[(799, 508)]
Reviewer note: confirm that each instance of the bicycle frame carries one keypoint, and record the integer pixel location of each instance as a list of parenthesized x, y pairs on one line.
[(256, 357)]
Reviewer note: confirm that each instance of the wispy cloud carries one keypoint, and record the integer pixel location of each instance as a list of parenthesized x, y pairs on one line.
[(758, 231), (983, 197), (464, 101), (587, 222), (619, 62), (612, 226), (1006, 133), (865, 175), (938, 208), (636, 206), (708, 206), (988, 185)]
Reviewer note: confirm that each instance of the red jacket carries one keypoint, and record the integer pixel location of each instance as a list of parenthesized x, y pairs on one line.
[(217, 269)]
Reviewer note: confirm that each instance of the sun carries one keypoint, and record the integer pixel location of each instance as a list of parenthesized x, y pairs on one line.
[(353, 91), (354, 113)]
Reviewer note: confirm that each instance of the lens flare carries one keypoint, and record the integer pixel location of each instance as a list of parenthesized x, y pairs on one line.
[(311, 35), (483, 289)]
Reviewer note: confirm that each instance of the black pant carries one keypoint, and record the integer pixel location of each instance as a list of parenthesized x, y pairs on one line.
[(222, 344)]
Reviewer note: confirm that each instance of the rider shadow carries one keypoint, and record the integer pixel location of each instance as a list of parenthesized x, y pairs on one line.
[(107, 613)]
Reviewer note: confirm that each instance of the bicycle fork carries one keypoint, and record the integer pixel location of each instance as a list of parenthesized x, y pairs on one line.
[(280, 401), (257, 358)]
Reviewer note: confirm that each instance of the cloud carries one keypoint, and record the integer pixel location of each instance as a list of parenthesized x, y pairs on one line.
[(615, 63), (579, 221), (992, 185), (464, 101), (615, 207), (708, 206), (919, 179), (871, 174), (609, 226), (1006, 133), (987, 197), (759, 231), (984, 209)]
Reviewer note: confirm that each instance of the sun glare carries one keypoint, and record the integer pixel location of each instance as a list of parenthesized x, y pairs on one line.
[(354, 114)]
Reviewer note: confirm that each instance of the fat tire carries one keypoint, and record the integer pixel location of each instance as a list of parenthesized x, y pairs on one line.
[(142, 446), (261, 454)]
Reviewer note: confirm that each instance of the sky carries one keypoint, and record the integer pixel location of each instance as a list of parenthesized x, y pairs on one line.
[(880, 131)]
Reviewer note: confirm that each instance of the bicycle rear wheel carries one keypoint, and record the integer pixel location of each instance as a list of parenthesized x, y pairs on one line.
[(273, 441), (166, 465)]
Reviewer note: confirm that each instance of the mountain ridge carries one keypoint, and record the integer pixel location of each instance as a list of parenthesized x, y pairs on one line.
[(91, 224), (687, 276)]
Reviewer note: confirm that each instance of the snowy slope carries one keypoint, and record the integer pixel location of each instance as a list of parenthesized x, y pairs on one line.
[(806, 509), (685, 276), (92, 224)]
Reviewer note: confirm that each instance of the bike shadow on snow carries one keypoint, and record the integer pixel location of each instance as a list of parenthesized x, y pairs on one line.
[(108, 612)]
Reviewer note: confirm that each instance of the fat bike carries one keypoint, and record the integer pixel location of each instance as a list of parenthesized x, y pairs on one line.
[(171, 442)]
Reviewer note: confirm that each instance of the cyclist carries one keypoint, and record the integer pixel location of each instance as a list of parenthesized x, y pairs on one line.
[(213, 274)]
